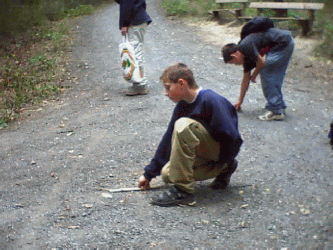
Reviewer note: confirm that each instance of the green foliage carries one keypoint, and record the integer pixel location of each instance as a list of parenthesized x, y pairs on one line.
[(324, 25), (175, 7), (24, 83), (17, 16), (187, 7), (80, 10), (29, 76), (325, 47)]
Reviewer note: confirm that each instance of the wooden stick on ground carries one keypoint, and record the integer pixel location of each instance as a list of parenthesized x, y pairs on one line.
[(118, 190)]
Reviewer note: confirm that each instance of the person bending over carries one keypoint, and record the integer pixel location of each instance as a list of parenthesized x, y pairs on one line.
[(278, 46)]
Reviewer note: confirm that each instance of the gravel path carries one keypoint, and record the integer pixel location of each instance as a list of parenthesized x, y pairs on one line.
[(54, 162)]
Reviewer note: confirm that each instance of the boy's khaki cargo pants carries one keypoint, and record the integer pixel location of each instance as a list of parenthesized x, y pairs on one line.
[(194, 155)]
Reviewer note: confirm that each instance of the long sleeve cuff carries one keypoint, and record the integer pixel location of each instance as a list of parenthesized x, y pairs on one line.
[(148, 176)]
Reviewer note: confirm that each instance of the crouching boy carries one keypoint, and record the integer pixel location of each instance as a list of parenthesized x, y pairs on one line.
[(201, 141)]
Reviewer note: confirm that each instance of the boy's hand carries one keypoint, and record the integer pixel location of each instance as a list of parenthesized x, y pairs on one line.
[(253, 78), (237, 105), (143, 182), (124, 31)]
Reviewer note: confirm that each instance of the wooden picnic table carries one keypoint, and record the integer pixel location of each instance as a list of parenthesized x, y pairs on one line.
[(237, 12), (310, 7), (305, 23)]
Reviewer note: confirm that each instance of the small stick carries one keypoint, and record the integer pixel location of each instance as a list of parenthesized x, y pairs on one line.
[(118, 190), (129, 189)]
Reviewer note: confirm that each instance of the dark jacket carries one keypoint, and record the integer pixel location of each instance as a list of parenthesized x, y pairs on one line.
[(216, 114), (132, 12), (251, 45)]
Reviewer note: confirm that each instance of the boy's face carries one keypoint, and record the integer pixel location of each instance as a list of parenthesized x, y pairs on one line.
[(175, 91), (236, 58)]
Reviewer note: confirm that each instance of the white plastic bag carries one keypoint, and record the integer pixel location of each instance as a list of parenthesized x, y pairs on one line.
[(129, 64)]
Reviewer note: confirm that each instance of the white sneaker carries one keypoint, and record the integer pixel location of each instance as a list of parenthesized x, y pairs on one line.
[(270, 116)]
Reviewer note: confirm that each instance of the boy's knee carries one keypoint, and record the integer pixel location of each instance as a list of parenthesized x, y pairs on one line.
[(165, 174), (183, 123), (187, 132)]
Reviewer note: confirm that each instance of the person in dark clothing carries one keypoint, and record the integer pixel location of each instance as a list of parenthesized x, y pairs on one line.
[(201, 141), (279, 46), (133, 22)]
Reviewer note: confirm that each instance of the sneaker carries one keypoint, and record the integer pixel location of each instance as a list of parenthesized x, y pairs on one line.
[(223, 179), (172, 197), (270, 116), (137, 90)]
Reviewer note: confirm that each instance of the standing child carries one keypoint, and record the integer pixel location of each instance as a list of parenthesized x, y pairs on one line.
[(201, 142), (133, 21), (272, 68)]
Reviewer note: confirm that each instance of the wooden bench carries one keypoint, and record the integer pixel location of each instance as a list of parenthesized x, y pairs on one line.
[(237, 12), (281, 10)]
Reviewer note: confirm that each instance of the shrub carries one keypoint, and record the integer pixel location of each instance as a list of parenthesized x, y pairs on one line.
[(325, 47), (187, 7)]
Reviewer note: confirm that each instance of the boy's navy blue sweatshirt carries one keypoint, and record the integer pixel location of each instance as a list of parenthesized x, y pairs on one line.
[(132, 12), (216, 114)]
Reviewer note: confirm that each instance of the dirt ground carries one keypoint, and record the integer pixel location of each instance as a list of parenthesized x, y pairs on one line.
[(54, 162)]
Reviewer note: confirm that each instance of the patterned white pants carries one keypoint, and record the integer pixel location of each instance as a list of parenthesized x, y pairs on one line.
[(136, 38)]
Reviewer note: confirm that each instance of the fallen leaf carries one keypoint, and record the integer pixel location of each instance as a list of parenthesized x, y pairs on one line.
[(73, 227), (244, 206), (153, 244), (305, 211)]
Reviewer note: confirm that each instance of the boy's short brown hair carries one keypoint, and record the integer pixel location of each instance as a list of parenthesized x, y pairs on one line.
[(178, 71), (227, 50)]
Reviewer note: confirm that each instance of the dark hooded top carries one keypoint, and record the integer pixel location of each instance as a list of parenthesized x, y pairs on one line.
[(250, 46), (132, 12)]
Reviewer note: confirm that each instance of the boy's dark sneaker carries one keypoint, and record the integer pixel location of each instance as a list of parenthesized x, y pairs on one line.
[(223, 179), (172, 197)]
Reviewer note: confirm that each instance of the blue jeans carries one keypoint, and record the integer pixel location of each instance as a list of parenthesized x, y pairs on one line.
[(272, 75)]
